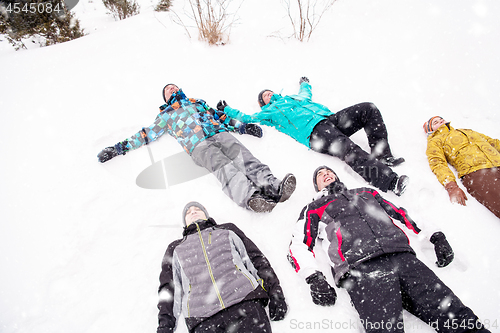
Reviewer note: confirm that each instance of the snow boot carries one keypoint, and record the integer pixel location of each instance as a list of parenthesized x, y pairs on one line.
[(400, 185), (287, 186), (260, 204), (391, 161)]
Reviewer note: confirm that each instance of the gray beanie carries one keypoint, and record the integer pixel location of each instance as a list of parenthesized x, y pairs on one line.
[(190, 204), (315, 174)]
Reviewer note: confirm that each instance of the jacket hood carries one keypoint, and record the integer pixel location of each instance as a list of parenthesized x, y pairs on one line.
[(336, 188), (203, 224), (273, 99), (176, 97)]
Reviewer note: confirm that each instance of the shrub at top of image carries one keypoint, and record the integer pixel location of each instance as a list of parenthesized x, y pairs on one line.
[(163, 6), (121, 9)]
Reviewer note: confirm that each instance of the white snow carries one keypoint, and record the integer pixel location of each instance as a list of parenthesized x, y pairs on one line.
[(81, 244)]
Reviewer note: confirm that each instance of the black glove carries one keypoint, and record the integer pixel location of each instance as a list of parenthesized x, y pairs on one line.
[(251, 129), (221, 105), (109, 152), (277, 305), (303, 79), (444, 252), (322, 293)]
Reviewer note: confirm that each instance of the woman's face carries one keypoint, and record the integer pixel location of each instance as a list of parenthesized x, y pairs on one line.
[(436, 123)]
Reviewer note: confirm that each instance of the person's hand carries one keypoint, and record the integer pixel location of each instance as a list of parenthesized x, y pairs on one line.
[(109, 152), (322, 293), (303, 79), (221, 105), (277, 306), (106, 154), (456, 194), (444, 252), (251, 129)]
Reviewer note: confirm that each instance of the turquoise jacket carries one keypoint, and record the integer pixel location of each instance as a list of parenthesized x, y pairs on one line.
[(294, 115)]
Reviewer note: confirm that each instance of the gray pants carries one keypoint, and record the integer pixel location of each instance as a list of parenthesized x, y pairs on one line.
[(240, 173)]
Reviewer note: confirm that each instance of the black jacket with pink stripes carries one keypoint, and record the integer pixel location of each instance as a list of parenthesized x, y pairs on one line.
[(354, 225)]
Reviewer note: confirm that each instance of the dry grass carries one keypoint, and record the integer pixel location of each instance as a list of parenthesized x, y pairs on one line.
[(305, 15), (214, 19)]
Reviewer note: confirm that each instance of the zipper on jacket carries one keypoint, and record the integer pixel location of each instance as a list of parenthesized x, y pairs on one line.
[(245, 275), (209, 267), (189, 298), (284, 115)]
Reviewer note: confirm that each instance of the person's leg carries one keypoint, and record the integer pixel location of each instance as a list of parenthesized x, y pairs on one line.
[(484, 185), (428, 298), (326, 138), (375, 293), (247, 316), (368, 117), (228, 170), (256, 171)]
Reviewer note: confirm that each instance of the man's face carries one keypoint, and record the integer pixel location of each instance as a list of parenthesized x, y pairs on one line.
[(324, 178), (169, 90), (266, 96), (194, 213), (436, 123)]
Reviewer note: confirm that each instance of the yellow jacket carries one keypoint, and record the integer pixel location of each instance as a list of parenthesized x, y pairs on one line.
[(466, 150)]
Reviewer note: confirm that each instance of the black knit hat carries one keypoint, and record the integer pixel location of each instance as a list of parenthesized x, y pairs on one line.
[(261, 101), (189, 205), (163, 91), (315, 174)]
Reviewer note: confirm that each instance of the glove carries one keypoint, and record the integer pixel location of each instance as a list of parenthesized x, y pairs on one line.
[(444, 252), (322, 293), (221, 105), (109, 152), (251, 129), (456, 194), (303, 79), (277, 305)]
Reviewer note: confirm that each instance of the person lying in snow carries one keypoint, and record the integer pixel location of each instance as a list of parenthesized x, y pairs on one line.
[(217, 278), (203, 133), (475, 156), (315, 126), (372, 259)]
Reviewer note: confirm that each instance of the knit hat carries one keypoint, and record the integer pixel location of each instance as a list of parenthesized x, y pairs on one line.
[(261, 101), (315, 174), (189, 205), (428, 125), (163, 91)]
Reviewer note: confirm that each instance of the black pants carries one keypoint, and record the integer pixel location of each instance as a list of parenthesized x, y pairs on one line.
[(382, 287), (331, 136), (247, 316)]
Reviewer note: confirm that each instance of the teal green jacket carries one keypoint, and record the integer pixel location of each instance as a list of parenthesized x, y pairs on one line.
[(294, 115)]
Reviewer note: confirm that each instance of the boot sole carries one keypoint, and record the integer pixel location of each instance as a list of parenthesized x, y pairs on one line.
[(287, 187), (261, 205)]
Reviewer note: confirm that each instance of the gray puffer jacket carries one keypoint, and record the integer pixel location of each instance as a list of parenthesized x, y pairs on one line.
[(212, 268)]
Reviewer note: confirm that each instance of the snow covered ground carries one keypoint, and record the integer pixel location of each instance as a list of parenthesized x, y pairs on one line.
[(81, 244)]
